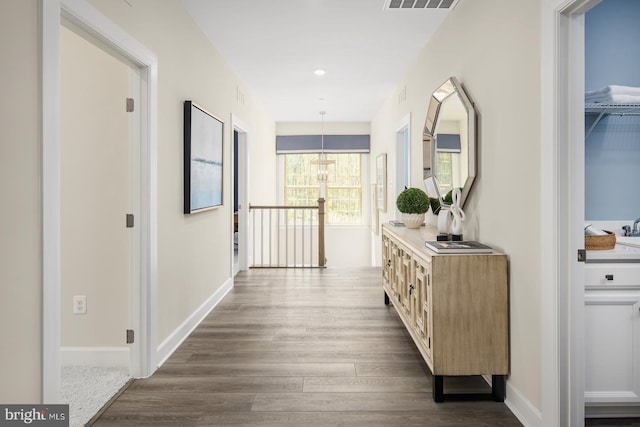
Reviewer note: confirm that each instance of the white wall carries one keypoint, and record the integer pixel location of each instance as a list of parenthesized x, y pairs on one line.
[(262, 163), (21, 205), (492, 47), (348, 247)]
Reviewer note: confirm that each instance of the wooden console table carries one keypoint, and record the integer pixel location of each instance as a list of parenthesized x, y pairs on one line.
[(454, 306)]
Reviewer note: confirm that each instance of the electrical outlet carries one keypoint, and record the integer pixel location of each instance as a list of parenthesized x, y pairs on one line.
[(79, 304)]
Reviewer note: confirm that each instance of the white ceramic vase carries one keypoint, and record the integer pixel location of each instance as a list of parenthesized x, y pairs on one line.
[(412, 220), (444, 221)]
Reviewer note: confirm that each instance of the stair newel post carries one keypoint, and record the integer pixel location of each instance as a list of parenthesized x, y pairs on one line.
[(321, 256)]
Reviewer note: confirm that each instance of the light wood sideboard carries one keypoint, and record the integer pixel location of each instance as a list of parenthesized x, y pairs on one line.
[(454, 306)]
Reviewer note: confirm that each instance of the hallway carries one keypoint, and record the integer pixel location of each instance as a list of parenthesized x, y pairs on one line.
[(300, 347)]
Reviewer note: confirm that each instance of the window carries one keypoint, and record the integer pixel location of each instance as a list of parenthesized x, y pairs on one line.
[(444, 168), (343, 185)]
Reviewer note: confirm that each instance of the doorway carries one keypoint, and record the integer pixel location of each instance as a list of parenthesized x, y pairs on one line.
[(143, 272), (565, 128), (236, 204), (403, 160), (97, 268), (611, 174), (562, 183), (240, 175)]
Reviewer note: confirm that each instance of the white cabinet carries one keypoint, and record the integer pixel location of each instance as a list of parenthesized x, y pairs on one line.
[(612, 339)]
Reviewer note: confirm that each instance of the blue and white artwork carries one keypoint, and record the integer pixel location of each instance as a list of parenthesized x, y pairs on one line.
[(206, 160)]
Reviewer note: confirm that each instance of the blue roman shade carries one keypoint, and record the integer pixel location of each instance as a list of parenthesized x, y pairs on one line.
[(448, 142), (286, 144)]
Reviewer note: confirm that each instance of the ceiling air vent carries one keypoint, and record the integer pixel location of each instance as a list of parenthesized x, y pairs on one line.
[(419, 4)]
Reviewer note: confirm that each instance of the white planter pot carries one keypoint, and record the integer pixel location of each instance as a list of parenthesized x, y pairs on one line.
[(412, 220)]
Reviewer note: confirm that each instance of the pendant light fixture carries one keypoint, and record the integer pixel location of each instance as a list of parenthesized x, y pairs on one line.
[(322, 160)]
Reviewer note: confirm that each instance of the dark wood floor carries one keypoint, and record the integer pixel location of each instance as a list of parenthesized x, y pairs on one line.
[(300, 348)]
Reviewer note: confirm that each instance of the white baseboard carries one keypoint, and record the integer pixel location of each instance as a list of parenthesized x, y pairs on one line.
[(521, 407), (173, 341), (524, 411), (95, 356), (612, 411)]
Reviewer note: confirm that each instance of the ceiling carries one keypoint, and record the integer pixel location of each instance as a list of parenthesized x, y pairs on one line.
[(275, 46)]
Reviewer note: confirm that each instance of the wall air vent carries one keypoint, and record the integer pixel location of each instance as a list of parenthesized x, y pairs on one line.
[(419, 4)]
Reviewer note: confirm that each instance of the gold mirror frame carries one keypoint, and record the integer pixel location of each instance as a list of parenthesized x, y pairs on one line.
[(447, 92)]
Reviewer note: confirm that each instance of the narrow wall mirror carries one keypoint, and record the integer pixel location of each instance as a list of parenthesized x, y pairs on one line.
[(450, 139)]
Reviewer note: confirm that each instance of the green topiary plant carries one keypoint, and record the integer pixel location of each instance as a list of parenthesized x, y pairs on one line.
[(413, 201)]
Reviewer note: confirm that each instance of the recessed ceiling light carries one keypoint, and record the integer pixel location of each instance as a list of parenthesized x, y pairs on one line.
[(319, 72)]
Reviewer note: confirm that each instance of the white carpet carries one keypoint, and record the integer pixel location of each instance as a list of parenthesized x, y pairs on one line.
[(86, 389)]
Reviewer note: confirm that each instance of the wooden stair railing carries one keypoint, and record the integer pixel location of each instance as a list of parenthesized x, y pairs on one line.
[(277, 228)]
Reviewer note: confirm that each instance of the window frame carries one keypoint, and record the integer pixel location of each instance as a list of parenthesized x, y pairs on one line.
[(324, 187)]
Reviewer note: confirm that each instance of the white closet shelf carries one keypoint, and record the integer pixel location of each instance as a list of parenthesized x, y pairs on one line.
[(597, 108), (602, 110)]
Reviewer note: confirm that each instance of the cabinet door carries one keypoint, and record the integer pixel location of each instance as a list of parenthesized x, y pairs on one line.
[(612, 338), (396, 278), (422, 271), (406, 284), (386, 260), (415, 296)]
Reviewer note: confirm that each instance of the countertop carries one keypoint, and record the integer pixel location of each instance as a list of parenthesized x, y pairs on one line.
[(621, 253)]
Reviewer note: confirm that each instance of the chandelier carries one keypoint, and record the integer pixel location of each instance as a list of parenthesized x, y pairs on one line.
[(322, 160)]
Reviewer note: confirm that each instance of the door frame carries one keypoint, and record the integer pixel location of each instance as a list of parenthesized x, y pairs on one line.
[(238, 125), (402, 153), (562, 211), (144, 291)]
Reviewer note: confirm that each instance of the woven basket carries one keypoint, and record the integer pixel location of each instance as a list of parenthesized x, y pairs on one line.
[(600, 243)]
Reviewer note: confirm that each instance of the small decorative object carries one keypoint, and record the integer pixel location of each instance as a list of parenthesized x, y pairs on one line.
[(444, 221), (413, 203), (597, 242), (457, 214)]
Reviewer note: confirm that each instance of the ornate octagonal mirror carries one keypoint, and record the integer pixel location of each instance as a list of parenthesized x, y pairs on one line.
[(449, 141)]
